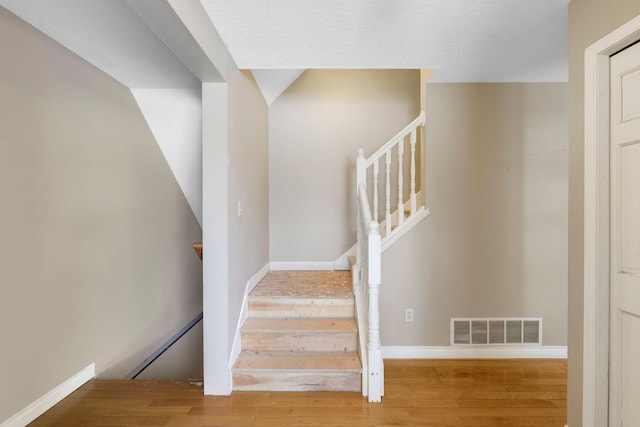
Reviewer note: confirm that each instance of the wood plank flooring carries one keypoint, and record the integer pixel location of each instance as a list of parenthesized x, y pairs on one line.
[(463, 393)]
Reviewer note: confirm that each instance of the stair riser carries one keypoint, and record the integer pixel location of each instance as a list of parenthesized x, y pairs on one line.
[(306, 308), (297, 381), (304, 341)]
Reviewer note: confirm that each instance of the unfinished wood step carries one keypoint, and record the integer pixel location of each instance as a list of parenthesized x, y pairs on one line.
[(300, 307), (297, 371), (305, 284), (294, 324), (299, 334)]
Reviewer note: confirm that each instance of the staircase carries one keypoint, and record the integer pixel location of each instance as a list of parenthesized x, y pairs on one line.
[(301, 334), (320, 330)]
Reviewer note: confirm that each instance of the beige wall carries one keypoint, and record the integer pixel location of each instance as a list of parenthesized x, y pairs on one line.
[(96, 262), (183, 360), (248, 184), (315, 129), (589, 21), (495, 242)]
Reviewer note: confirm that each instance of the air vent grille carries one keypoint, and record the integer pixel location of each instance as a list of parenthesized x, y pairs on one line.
[(496, 331)]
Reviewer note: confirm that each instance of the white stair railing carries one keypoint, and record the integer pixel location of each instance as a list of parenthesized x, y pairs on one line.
[(367, 269), (368, 170)]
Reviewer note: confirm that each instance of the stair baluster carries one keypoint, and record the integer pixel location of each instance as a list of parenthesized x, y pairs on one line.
[(412, 196), (400, 189), (387, 217), (375, 191)]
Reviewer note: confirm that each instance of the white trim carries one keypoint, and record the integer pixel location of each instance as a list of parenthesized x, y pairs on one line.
[(50, 399), (244, 314), (302, 266), (468, 352), (595, 383), (397, 138), (342, 262), (411, 222), (217, 328), (253, 282)]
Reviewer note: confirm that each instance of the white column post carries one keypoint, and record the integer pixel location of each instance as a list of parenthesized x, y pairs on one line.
[(215, 239)]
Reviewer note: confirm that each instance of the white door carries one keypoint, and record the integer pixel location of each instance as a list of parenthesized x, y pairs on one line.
[(624, 357)]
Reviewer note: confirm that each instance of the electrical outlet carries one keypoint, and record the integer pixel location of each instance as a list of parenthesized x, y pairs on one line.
[(408, 314)]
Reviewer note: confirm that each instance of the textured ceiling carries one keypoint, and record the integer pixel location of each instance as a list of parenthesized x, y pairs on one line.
[(465, 40)]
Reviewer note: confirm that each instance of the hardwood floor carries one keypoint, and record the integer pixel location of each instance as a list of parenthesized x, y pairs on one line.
[(479, 393)]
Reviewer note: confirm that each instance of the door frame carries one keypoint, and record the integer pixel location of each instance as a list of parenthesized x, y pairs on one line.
[(595, 356)]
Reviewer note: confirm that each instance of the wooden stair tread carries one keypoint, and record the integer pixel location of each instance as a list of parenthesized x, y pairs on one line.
[(299, 361), (301, 307), (293, 324), (301, 334), (305, 284), (301, 299), (198, 248)]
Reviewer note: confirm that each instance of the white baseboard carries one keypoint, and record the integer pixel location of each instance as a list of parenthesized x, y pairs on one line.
[(256, 278), (244, 313), (49, 400), (299, 266), (451, 352), (342, 263)]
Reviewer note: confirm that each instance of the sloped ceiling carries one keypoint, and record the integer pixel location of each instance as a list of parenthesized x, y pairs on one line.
[(111, 36)]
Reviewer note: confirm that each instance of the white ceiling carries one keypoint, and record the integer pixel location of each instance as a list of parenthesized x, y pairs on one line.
[(465, 40), (273, 82), (109, 35)]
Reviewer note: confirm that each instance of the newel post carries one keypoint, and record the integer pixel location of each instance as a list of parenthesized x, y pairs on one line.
[(376, 371)]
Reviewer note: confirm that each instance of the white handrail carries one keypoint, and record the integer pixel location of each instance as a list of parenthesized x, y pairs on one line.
[(418, 121), (406, 208)]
